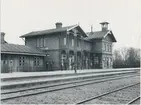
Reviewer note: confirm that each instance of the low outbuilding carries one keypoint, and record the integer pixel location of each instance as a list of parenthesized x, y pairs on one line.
[(20, 58)]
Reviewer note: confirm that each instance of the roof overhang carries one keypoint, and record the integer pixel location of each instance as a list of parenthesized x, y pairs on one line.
[(79, 28), (19, 53), (35, 35), (111, 34)]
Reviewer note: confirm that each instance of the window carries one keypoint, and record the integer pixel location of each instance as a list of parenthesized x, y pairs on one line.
[(65, 41), (36, 61), (105, 47), (40, 42), (44, 42), (110, 48), (4, 61), (21, 61), (78, 42), (72, 42), (96, 60)]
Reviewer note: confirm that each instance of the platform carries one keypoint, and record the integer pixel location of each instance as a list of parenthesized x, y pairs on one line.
[(58, 72)]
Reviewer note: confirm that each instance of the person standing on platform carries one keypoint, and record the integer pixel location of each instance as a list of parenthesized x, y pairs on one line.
[(75, 67)]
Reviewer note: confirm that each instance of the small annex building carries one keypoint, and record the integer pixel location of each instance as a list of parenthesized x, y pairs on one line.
[(20, 58)]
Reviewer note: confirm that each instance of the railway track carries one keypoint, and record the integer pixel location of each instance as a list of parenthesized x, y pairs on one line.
[(106, 93), (134, 100), (63, 83), (35, 91)]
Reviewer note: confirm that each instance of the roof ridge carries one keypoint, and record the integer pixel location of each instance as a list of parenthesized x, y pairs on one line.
[(53, 28), (48, 31)]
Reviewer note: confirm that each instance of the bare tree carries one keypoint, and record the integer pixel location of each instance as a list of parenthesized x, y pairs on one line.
[(117, 62), (126, 57)]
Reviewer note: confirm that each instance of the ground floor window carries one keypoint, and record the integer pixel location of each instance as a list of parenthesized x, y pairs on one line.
[(21, 60), (36, 61), (96, 60), (107, 62)]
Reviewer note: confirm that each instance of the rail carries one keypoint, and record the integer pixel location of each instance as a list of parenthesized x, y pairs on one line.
[(104, 94)]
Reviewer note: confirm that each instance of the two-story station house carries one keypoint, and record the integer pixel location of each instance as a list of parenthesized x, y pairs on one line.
[(67, 46)]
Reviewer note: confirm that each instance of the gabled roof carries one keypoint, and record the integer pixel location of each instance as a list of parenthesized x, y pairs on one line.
[(20, 49), (100, 35), (50, 31)]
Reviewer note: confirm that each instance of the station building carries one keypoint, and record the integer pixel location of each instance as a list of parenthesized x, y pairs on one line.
[(60, 48), (67, 46)]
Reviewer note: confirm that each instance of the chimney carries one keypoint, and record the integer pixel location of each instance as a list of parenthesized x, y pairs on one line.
[(2, 37), (91, 28), (104, 26), (58, 25)]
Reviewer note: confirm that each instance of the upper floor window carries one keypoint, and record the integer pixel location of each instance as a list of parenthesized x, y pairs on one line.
[(65, 41), (110, 48), (72, 42), (44, 41), (40, 42), (104, 47), (78, 42)]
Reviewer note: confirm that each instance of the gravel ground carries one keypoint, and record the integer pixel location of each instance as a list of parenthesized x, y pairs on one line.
[(120, 97), (73, 95)]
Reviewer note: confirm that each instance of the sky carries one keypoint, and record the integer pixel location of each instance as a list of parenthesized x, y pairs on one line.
[(19, 17)]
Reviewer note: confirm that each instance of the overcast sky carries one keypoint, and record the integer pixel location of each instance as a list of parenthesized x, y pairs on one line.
[(19, 17)]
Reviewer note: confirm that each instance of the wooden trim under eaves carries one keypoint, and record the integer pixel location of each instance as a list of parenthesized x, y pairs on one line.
[(107, 33), (72, 28)]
